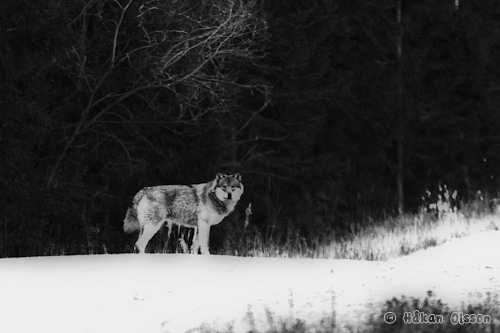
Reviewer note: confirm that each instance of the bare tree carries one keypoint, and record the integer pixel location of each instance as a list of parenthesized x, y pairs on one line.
[(401, 116), (181, 59)]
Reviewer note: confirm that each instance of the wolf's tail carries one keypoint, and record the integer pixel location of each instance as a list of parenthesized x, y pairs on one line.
[(131, 223)]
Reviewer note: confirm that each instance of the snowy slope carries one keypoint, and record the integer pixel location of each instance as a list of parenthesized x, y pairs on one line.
[(179, 293)]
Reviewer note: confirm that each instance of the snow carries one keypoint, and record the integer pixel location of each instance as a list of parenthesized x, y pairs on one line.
[(180, 293)]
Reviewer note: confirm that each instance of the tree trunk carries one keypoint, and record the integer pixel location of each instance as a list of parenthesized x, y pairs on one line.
[(401, 118)]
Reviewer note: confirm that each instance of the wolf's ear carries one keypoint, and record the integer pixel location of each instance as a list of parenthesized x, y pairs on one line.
[(219, 176), (237, 176)]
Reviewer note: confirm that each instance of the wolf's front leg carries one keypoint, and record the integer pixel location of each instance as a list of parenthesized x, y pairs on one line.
[(195, 246), (203, 237)]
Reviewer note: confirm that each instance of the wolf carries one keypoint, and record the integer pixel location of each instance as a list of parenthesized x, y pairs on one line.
[(198, 206)]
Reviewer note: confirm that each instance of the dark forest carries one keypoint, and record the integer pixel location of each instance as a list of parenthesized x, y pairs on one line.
[(335, 112)]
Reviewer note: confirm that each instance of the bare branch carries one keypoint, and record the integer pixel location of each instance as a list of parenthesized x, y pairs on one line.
[(180, 52), (117, 30)]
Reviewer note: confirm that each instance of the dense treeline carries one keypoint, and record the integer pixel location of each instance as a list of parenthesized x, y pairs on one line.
[(320, 105)]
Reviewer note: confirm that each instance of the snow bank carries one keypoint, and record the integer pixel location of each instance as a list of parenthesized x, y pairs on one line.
[(179, 293)]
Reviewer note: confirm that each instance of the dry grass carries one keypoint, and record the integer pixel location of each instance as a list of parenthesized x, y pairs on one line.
[(403, 235), (374, 240)]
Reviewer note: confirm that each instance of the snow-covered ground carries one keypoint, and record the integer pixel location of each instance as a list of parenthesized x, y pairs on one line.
[(180, 293)]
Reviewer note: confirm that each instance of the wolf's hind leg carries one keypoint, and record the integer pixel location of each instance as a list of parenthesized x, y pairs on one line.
[(148, 230)]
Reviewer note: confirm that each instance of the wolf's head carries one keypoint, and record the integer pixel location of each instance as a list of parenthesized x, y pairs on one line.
[(228, 187)]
